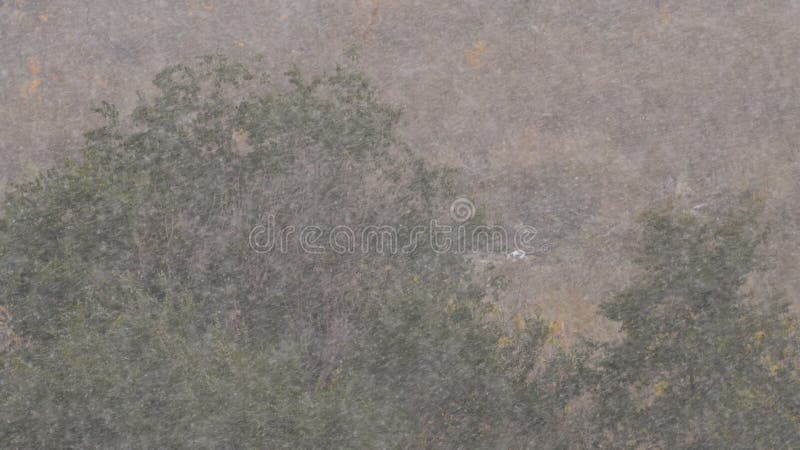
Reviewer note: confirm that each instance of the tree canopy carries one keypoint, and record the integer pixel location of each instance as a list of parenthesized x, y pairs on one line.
[(703, 364), (148, 320), (137, 310)]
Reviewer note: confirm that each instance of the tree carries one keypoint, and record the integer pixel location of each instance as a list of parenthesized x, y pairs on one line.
[(149, 319), (701, 365)]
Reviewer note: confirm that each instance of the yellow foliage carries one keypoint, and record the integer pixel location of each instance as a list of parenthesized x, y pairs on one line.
[(34, 86), (660, 388), (504, 341), (240, 136), (34, 67), (473, 55), (555, 330), (519, 322), (666, 14)]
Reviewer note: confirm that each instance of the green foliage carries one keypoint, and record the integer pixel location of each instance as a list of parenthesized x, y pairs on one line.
[(152, 379), (477, 373), (142, 317), (423, 375), (150, 322), (168, 197), (701, 364)]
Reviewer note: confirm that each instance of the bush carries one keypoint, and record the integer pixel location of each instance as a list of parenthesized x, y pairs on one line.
[(151, 322), (702, 365)]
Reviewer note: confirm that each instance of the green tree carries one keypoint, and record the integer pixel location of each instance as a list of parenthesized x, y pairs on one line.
[(150, 321), (168, 197), (701, 363)]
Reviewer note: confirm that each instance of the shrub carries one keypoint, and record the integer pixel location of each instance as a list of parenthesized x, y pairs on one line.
[(151, 322)]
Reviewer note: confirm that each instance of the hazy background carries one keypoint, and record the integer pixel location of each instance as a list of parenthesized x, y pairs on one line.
[(570, 116)]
